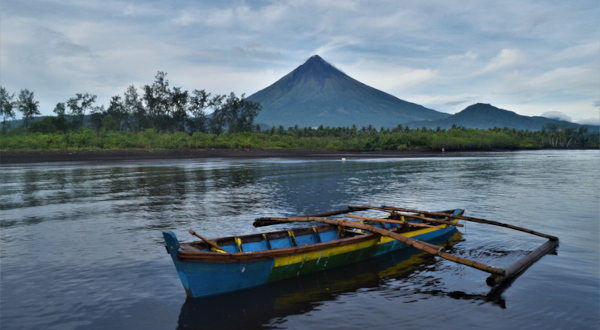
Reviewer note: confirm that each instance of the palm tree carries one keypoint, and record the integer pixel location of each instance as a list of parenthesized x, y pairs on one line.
[(28, 106)]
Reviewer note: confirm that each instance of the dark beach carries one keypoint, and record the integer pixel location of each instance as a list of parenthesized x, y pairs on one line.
[(25, 157)]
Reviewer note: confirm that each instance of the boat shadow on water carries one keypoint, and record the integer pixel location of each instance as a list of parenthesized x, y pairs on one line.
[(257, 307)]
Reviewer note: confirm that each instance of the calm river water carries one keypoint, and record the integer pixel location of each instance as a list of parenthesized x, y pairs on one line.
[(81, 244)]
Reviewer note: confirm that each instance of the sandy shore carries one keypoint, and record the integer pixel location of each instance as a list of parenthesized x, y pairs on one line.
[(25, 157)]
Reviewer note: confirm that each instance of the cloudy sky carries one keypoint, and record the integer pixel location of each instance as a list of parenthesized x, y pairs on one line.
[(531, 57)]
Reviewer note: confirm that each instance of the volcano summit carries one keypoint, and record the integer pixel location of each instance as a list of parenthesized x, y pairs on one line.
[(316, 93)]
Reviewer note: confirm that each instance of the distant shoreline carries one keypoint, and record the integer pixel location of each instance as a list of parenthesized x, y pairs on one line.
[(29, 157), (112, 156)]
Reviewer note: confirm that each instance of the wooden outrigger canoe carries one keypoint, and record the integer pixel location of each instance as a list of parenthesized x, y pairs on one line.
[(211, 267)]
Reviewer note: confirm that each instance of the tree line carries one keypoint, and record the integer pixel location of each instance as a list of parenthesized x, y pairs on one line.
[(162, 117), (157, 106), (324, 138)]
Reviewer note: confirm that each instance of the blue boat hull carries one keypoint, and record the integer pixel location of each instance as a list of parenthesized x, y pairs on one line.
[(239, 271)]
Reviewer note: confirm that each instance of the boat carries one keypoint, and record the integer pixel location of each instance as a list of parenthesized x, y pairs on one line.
[(248, 261), (217, 266)]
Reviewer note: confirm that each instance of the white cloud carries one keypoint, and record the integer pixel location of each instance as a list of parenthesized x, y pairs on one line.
[(579, 80), (589, 51), (445, 103), (335, 43), (505, 59), (589, 121), (558, 78), (243, 17), (556, 115), (578, 110), (393, 79), (468, 56), (220, 18), (132, 10), (186, 18)]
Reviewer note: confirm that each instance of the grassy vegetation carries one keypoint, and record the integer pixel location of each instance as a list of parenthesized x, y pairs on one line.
[(165, 118), (324, 138)]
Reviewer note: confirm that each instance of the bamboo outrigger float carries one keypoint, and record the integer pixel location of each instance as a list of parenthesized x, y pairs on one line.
[(210, 267)]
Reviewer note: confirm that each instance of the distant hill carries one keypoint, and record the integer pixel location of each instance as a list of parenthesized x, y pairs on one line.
[(316, 93), (484, 116)]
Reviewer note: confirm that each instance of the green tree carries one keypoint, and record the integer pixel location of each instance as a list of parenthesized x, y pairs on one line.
[(218, 119), (117, 111), (150, 104), (179, 105), (6, 106), (158, 101), (78, 106), (27, 105), (60, 109), (281, 130), (582, 136), (240, 113), (109, 123), (45, 126), (97, 114), (135, 108), (198, 102), (60, 123)]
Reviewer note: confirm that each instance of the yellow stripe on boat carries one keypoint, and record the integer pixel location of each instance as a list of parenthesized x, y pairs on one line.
[(294, 259), (290, 260)]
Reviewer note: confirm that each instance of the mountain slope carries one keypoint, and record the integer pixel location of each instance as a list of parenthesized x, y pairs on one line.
[(484, 116), (316, 93)]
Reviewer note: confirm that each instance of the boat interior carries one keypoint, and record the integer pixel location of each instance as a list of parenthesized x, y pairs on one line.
[(309, 235)]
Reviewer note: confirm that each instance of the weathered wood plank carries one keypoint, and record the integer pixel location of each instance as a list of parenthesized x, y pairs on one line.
[(389, 221)]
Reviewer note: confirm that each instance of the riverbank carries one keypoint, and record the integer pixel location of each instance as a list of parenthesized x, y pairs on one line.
[(27, 157)]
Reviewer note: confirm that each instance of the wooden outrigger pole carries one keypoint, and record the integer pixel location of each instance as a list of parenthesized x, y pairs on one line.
[(498, 275), (454, 216), (522, 264), (511, 270)]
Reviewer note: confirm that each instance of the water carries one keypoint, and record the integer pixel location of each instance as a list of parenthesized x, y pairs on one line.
[(81, 244)]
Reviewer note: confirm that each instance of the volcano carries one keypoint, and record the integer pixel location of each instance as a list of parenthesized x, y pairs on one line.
[(316, 93)]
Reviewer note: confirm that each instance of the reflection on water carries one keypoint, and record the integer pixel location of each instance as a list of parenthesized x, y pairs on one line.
[(81, 245)]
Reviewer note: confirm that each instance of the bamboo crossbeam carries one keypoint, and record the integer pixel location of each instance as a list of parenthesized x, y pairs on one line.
[(260, 222), (431, 219), (327, 214), (299, 219), (424, 246), (462, 217), (388, 221)]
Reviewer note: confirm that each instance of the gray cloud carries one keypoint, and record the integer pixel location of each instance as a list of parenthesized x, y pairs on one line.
[(518, 55)]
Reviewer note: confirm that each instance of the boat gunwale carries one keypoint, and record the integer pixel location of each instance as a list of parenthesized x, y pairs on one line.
[(216, 257), (243, 257)]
